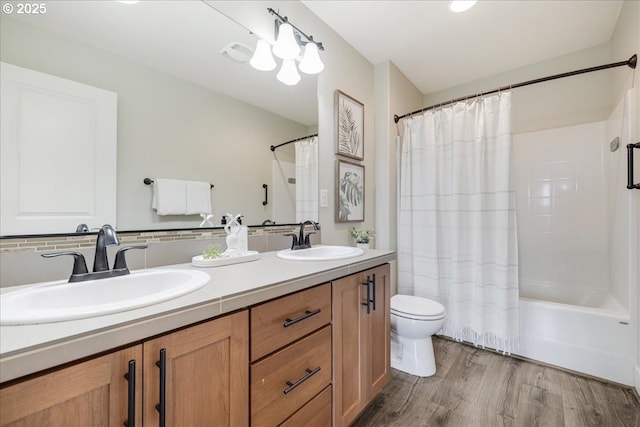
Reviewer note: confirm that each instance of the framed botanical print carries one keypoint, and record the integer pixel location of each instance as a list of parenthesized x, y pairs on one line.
[(349, 192), (350, 126)]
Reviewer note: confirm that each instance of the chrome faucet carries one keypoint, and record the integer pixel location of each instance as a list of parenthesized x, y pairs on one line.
[(106, 237)]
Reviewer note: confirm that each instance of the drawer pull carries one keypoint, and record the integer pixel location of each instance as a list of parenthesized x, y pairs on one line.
[(130, 376), (308, 375), (162, 406), (306, 315)]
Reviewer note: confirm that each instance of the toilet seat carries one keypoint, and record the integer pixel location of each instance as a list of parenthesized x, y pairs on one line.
[(417, 308)]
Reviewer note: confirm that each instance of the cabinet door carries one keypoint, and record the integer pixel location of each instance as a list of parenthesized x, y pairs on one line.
[(92, 393), (206, 375), (349, 324), (361, 341), (377, 340)]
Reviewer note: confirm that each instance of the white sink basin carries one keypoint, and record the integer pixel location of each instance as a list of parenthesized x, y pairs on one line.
[(321, 253), (58, 301)]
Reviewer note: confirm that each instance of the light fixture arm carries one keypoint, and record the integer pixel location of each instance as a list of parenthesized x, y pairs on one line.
[(299, 32)]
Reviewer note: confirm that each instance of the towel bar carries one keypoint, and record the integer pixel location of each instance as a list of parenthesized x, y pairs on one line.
[(149, 181)]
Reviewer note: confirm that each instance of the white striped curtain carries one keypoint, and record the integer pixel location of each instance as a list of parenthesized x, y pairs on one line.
[(457, 222), (307, 180)]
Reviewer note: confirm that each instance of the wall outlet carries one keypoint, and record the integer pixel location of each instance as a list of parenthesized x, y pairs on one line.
[(324, 199)]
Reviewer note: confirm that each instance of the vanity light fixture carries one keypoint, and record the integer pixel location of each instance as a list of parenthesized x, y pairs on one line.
[(311, 63), (262, 58), (286, 46), (289, 43), (288, 73), (461, 5)]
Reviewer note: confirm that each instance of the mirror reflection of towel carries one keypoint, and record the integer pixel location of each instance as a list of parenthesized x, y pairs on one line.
[(198, 197), (178, 197)]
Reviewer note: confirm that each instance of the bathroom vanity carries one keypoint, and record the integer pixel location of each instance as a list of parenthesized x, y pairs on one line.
[(269, 342)]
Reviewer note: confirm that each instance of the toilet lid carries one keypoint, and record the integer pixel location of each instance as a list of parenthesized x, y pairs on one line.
[(415, 307)]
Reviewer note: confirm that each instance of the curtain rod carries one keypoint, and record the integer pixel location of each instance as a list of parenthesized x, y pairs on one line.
[(631, 63), (273, 147)]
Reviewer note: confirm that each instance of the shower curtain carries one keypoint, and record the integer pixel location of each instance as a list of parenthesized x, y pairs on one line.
[(457, 220), (307, 179)]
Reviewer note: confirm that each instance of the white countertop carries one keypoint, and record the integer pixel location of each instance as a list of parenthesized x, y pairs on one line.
[(31, 348)]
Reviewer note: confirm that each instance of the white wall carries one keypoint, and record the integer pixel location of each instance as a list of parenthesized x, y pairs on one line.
[(346, 70), (624, 43), (394, 93), (579, 99)]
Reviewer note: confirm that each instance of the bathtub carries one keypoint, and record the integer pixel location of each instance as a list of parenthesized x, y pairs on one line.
[(587, 331)]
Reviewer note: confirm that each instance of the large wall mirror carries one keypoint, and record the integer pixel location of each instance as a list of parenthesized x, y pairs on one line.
[(185, 109)]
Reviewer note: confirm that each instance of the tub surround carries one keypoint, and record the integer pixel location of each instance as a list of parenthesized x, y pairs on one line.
[(32, 348)]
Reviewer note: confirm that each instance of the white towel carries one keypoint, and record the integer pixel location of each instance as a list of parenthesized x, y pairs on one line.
[(198, 197), (169, 196)]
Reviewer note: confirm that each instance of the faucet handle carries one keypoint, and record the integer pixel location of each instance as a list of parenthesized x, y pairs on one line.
[(121, 263), (79, 264), (294, 243), (306, 238)]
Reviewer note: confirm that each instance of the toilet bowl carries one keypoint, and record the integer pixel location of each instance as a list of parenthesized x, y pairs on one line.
[(413, 321)]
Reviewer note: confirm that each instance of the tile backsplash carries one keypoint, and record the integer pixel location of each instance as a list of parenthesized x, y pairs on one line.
[(21, 262)]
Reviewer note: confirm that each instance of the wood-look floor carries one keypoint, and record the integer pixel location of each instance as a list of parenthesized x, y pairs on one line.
[(477, 388)]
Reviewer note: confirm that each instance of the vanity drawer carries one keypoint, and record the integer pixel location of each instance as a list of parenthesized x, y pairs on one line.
[(279, 322), (285, 381), (316, 413)]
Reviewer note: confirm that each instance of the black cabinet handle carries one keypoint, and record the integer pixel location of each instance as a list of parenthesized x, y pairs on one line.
[(368, 303), (373, 283), (131, 395), (162, 406), (308, 375), (306, 315)]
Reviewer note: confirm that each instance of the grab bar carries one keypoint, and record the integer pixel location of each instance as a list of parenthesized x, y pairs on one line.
[(630, 184)]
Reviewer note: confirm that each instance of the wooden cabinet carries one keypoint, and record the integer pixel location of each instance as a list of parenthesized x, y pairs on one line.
[(199, 375), (91, 393), (316, 413), (291, 359), (279, 322), (361, 341), (202, 377)]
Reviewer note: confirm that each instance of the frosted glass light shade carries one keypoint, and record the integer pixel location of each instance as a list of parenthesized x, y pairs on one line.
[(311, 63), (461, 5), (262, 59), (286, 46), (288, 74)]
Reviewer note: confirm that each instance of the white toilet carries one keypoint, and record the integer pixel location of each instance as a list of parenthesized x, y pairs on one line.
[(413, 321)]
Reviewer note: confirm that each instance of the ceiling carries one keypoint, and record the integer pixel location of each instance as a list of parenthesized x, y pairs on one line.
[(437, 49)]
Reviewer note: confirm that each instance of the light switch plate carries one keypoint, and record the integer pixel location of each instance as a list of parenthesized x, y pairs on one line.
[(324, 199)]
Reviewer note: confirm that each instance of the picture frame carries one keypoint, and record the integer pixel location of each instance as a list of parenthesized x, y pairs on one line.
[(349, 192), (349, 126)]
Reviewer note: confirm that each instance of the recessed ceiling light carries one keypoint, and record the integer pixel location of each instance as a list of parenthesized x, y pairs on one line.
[(461, 5)]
